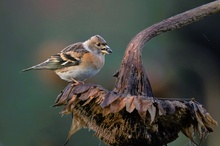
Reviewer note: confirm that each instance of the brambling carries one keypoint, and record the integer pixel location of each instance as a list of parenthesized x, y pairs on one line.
[(77, 62)]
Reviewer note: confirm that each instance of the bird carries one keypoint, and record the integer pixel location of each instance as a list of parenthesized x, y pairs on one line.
[(77, 62)]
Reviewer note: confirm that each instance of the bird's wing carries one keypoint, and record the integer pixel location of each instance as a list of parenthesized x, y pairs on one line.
[(69, 56), (77, 47), (72, 54)]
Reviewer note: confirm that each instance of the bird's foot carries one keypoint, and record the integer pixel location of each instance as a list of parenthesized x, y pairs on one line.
[(75, 82)]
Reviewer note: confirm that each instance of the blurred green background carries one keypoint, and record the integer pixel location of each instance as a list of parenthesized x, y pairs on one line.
[(184, 63)]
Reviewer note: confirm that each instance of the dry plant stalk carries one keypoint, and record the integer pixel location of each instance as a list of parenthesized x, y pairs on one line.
[(129, 114)]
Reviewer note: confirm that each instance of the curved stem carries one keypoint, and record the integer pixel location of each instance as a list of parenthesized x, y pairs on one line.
[(132, 78)]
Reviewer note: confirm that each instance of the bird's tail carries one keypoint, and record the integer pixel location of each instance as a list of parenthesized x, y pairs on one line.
[(27, 69), (36, 67)]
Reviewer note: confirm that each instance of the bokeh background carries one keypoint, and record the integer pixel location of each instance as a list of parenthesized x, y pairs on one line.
[(184, 63)]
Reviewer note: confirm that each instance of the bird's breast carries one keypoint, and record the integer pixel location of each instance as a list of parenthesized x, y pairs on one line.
[(93, 61)]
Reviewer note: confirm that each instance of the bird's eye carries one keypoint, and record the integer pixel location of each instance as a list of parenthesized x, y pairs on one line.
[(99, 44)]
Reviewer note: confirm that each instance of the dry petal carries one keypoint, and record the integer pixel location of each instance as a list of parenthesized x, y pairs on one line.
[(117, 105), (142, 103), (109, 98), (130, 104), (152, 111), (76, 125)]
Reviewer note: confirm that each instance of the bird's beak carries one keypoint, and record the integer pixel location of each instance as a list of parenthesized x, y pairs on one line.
[(106, 50)]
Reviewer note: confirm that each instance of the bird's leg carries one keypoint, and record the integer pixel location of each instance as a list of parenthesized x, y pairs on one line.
[(75, 82)]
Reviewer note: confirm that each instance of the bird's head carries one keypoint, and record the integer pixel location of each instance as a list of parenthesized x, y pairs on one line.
[(97, 44)]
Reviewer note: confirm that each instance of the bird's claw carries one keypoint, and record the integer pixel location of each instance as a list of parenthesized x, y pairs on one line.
[(75, 82)]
